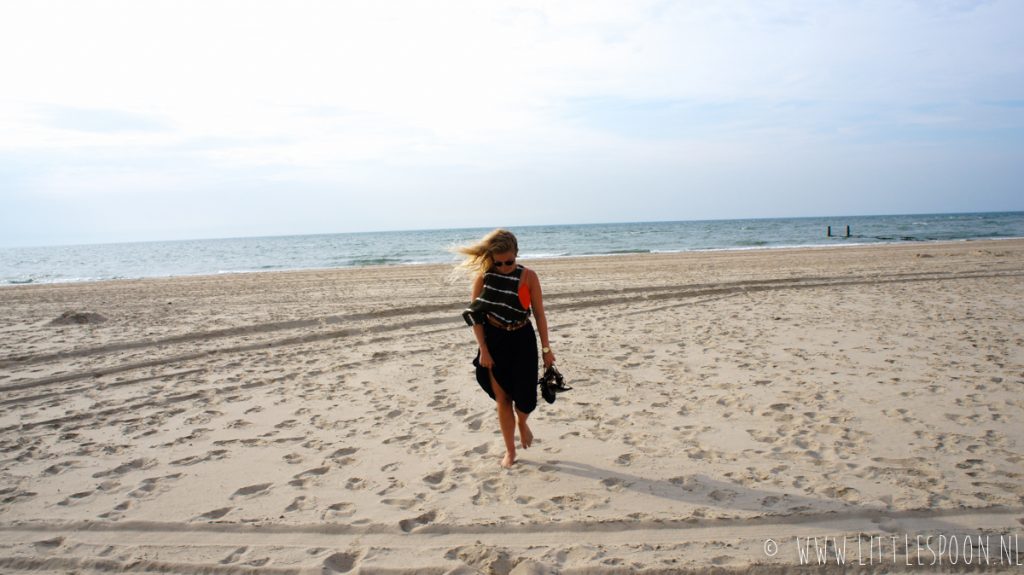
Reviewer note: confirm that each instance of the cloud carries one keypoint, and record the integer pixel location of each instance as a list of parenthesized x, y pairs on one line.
[(103, 121), (108, 99)]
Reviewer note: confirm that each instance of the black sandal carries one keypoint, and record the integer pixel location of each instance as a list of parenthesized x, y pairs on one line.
[(559, 380), (551, 383)]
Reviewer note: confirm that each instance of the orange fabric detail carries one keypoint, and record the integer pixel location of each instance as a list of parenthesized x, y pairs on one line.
[(524, 293)]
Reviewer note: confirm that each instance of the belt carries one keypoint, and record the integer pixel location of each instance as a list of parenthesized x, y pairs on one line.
[(506, 326)]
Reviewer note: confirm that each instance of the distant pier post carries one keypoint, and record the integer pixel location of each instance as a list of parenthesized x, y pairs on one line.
[(828, 231)]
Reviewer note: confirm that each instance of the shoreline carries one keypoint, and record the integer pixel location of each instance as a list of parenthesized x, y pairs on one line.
[(545, 258)]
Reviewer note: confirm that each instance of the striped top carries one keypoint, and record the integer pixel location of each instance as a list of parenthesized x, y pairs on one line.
[(506, 298)]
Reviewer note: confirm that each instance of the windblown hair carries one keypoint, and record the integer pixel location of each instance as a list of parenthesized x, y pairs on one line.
[(480, 256)]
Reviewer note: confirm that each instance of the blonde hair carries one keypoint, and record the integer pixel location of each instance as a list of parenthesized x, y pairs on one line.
[(480, 256)]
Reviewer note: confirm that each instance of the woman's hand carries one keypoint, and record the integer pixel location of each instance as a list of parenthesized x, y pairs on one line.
[(549, 359), (485, 359)]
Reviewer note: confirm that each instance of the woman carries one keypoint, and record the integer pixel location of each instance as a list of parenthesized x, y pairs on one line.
[(504, 295)]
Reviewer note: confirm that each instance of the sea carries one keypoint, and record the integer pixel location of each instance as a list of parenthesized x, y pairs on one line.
[(80, 263)]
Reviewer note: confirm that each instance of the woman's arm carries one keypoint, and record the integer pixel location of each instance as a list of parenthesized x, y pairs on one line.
[(537, 301), (478, 329)]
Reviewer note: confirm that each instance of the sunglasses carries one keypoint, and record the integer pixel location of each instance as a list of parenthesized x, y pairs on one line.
[(510, 262)]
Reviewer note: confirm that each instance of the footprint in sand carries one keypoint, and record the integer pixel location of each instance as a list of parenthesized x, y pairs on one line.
[(408, 525), (969, 463), (340, 563), (342, 456), (117, 512), (339, 510), (48, 544), (204, 417), (196, 435), (723, 560), (252, 490), (614, 483), (481, 449), (194, 459), (487, 493), (300, 503), (575, 502), (234, 556), (435, 478), (134, 465), (392, 486), (401, 503), (686, 483), (722, 495), (76, 498), (397, 439), (290, 440), (302, 479), (215, 514), (315, 472), (845, 493), (479, 558), (61, 467), (153, 486)]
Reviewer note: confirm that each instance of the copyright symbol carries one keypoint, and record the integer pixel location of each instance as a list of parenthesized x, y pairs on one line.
[(770, 547)]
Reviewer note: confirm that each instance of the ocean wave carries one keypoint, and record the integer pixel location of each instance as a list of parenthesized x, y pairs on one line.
[(57, 280), (381, 261), (70, 264), (615, 252), (543, 255)]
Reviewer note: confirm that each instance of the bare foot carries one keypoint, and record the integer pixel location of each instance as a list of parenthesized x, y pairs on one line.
[(508, 460), (525, 435)]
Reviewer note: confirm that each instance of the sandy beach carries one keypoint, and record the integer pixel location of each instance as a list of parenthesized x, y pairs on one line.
[(329, 422)]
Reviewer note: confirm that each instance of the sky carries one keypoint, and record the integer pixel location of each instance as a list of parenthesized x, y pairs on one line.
[(151, 120)]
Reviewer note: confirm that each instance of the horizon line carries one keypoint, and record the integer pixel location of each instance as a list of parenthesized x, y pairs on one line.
[(440, 229)]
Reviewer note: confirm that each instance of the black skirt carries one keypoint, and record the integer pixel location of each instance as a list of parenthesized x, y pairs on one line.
[(515, 364)]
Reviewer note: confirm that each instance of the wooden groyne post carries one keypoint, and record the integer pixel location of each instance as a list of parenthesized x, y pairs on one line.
[(828, 231)]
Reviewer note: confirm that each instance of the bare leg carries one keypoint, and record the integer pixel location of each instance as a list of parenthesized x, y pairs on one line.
[(507, 422), (525, 435)]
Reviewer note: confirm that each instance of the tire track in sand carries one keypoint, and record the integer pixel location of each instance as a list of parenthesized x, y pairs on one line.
[(628, 295), (341, 548)]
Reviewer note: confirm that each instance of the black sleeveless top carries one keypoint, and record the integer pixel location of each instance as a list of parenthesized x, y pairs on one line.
[(506, 298)]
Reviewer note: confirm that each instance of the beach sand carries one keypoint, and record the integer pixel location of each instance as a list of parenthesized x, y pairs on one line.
[(329, 422)]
